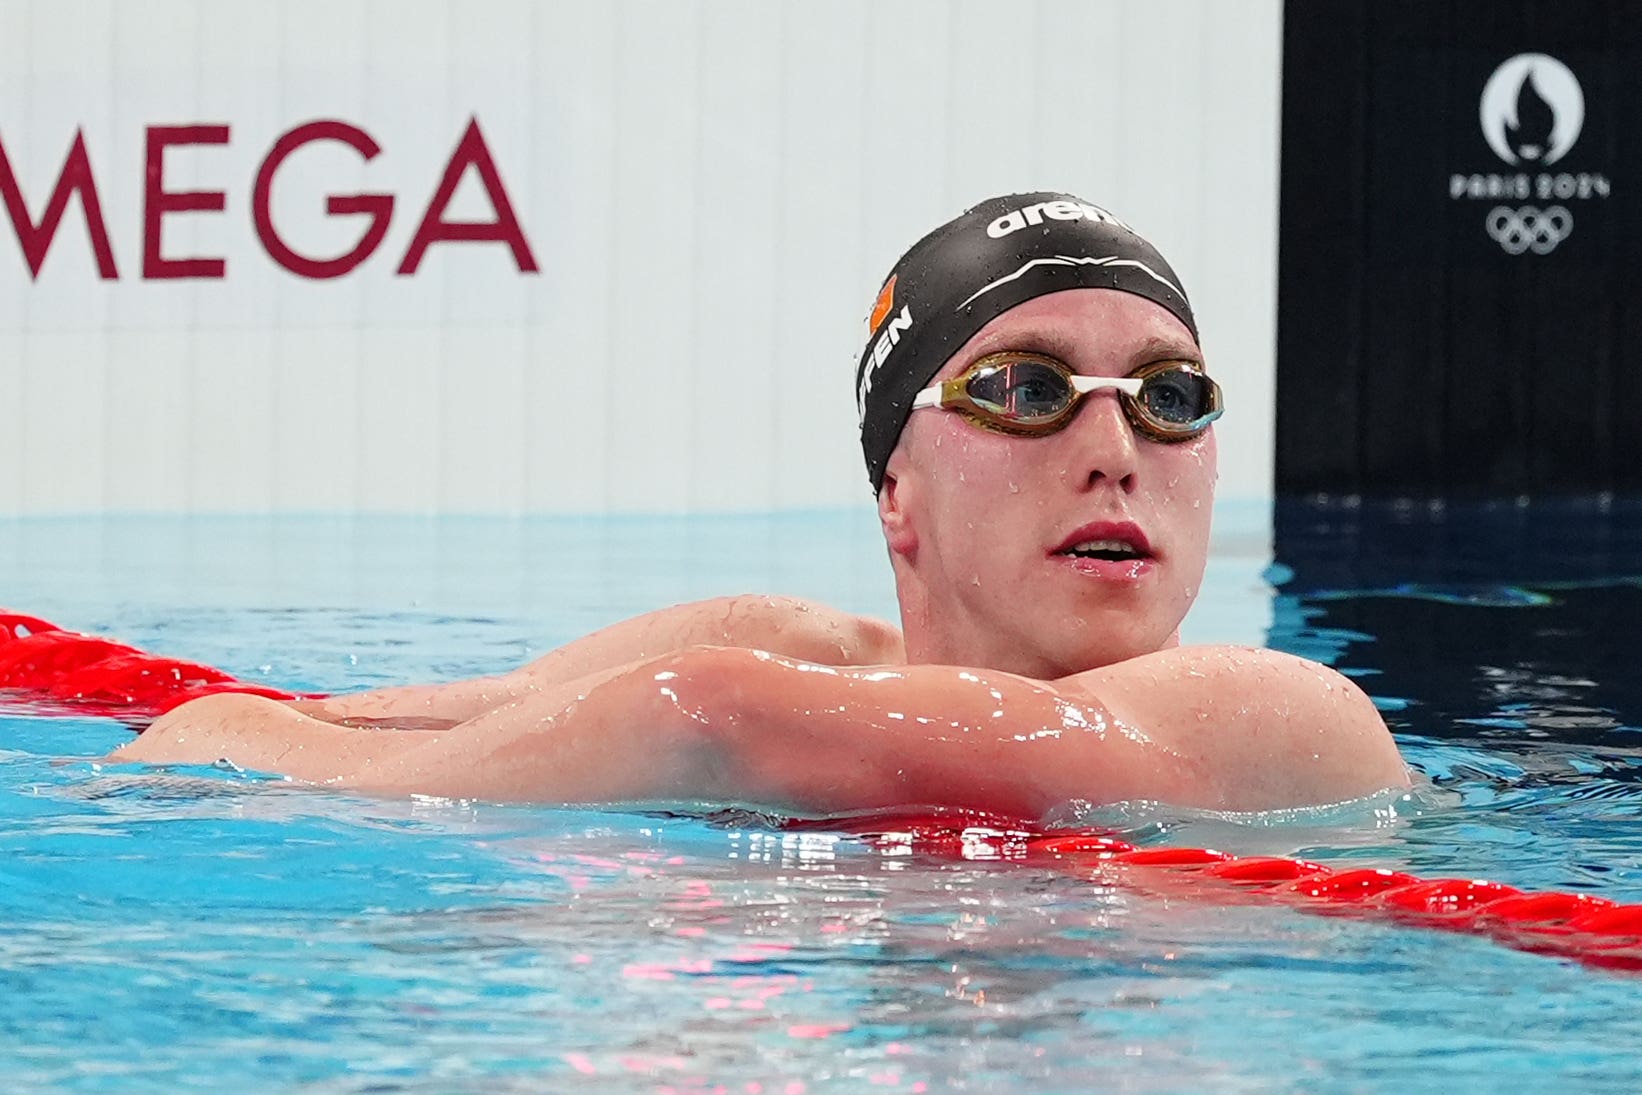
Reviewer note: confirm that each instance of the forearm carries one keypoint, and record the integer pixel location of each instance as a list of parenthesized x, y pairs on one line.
[(780, 625), (416, 706), (262, 735), (265, 735), (727, 725), (666, 729), (786, 626), (621, 735)]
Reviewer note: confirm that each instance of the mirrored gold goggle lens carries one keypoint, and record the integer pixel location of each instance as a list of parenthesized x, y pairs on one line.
[(1021, 391), (1177, 399), (1172, 400)]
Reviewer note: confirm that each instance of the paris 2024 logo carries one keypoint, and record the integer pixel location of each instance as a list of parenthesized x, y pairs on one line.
[(1532, 110)]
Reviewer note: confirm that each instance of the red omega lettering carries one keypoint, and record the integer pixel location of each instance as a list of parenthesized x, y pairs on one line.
[(158, 201), (379, 207), (76, 177), (471, 151)]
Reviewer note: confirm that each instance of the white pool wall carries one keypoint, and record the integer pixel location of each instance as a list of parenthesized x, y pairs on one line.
[(712, 193)]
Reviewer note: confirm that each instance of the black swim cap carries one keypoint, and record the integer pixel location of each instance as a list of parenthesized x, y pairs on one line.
[(974, 268)]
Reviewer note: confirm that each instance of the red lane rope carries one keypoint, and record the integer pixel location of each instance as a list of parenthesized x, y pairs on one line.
[(51, 667), (47, 666), (1589, 929)]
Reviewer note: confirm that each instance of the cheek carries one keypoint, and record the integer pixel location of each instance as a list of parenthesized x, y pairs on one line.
[(1194, 467), (1198, 502), (981, 497), (1186, 476), (1177, 475), (970, 467), (1208, 456), (1196, 464)]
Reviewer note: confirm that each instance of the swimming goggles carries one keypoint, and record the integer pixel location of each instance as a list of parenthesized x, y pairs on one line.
[(1032, 395)]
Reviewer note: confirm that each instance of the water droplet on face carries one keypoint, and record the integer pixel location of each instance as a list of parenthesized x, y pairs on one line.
[(1014, 488), (960, 475)]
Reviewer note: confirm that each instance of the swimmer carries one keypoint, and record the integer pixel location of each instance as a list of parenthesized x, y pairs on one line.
[(1037, 420)]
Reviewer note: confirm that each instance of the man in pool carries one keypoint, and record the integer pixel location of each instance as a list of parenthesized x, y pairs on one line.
[(1037, 423)]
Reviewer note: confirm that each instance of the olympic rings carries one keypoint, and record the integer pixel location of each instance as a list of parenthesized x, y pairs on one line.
[(1528, 228)]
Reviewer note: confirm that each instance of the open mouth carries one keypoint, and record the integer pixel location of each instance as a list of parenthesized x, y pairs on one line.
[(1101, 545), (1111, 550)]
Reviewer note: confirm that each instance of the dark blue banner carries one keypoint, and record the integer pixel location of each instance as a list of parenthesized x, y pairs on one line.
[(1461, 245)]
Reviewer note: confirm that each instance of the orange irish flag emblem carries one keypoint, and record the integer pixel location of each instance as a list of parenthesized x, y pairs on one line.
[(883, 305)]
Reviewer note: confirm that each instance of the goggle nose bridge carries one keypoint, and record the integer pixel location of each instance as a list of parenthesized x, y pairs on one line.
[(1128, 385)]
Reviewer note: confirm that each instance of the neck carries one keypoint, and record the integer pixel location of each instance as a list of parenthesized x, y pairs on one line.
[(930, 639), (933, 640)]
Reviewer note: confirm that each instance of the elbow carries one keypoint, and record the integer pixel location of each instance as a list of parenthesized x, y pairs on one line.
[(704, 699), (878, 642), (746, 729)]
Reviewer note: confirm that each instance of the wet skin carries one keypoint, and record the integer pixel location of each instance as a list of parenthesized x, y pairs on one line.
[(1023, 677), (732, 725), (973, 517)]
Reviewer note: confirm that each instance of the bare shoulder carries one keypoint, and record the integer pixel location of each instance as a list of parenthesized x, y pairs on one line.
[(1245, 676), (1263, 719)]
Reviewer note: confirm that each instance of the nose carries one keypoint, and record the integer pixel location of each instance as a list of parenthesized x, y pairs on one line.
[(1105, 450)]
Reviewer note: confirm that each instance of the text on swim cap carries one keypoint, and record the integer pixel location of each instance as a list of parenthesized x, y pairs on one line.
[(1055, 211), (887, 341)]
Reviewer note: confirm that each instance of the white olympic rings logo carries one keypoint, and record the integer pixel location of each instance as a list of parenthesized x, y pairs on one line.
[(1529, 229)]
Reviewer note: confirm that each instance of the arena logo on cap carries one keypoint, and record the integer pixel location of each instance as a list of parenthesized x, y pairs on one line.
[(1531, 111), (1032, 215)]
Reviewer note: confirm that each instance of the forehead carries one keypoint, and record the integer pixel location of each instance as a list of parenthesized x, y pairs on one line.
[(1089, 329)]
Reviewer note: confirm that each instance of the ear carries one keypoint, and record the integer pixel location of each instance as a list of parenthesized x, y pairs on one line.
[(894, 514)]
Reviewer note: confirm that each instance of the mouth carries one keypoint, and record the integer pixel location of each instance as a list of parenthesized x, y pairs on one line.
[(1113, 551), (1108, 548)]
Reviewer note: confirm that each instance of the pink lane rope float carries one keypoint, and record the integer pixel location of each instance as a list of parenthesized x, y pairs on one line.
[(43, 665)]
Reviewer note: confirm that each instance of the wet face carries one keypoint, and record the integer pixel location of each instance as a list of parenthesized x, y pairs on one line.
[(1051, 555)]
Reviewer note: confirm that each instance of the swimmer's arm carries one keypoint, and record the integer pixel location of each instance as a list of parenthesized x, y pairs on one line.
[(261, 735), (1264, 728), (1244, 730), (265, 735), (411, 707), (787, 626)]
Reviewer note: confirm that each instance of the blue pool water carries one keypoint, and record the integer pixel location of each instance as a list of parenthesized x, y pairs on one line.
[(198, 929)]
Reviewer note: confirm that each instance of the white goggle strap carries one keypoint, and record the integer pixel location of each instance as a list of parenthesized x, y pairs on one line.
[(929, 397)]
